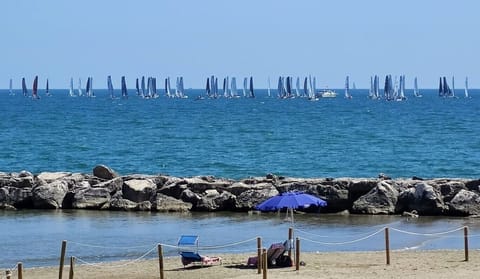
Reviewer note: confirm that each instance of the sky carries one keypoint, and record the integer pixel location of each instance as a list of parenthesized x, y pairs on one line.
[(59, 39)]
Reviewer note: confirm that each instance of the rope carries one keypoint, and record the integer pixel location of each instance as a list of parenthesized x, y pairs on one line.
[(225, 245), (120, 265), (109, 247), (329, 236), (427, 234), (345, 242)]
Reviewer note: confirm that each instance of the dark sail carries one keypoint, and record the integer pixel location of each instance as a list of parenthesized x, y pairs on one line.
[(252, 94), (124, 88)]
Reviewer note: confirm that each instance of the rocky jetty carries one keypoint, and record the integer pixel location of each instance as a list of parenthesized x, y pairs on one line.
[(104, 189)]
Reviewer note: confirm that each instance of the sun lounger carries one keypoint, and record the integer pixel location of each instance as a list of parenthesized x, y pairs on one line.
[(188, 250)]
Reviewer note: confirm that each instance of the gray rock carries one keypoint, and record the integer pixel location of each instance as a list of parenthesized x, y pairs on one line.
[(113, 185), (249, 199), (423, 198), (165, 203), (380, 200), (91, 198), (104, 172), (215, 201), (49, 177), (465, 203), (138, 190), (50, 196), (122, 204)]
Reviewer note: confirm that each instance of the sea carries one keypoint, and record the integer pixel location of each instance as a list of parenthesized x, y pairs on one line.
[(233, 138)]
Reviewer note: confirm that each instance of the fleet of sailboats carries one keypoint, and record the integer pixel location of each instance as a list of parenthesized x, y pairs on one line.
[(288, 87)]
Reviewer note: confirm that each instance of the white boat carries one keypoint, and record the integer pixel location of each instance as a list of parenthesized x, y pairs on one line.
[(327, 93), (416, 92), (347, 88)]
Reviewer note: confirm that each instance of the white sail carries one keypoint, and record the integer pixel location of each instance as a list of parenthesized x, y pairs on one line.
[(268, 90), (245, 87), (453, 87), (11, 88), (466, 88), (297, 87), (80, 93), (233, 88), (347, 88)]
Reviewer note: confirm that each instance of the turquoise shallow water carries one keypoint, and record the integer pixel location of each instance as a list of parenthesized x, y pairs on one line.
[(428, 137), (235, 138)]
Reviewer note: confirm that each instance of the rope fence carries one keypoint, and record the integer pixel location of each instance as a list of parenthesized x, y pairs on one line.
[(260, 249)]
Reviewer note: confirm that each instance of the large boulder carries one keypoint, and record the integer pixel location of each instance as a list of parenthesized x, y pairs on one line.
[(247, 200), (49, 177), (91, 198), (138, 190), (104, 172), (380, 200), (113, 185), (50, 196), (213, 200), (122, 204), (165, 203), (423, 198), (465, 203)]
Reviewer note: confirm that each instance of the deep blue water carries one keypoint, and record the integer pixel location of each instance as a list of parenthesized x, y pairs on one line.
[(236, 138)]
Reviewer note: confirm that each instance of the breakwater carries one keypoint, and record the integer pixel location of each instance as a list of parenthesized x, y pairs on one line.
[(104, 189)]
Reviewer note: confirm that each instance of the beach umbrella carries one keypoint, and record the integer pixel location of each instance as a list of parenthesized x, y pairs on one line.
[(290, 200)]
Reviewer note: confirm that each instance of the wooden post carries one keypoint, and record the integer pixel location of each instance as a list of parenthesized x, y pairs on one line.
[(387, 245), (20, 270), (160, 260), (264, 263), (62, 258), (72, 266), (290, 241), (465, 237), (8, 274), (259, 255), (297, 254)]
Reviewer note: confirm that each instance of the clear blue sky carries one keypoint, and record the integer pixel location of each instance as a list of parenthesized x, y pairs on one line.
[(60, 39)]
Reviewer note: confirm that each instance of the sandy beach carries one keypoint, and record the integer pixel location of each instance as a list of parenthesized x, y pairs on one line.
[(411, 264)]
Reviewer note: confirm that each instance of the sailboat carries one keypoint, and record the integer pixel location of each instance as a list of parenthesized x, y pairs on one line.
[(416, 93), (168, 90), (399, 90), (268, 89), (24, 88), (143, 87), (110, 87), (252, 94), (245, 87), (11, 88), (137, 87), (124, 88), (297, 87), (47, 89), (466, 88), (71, 92), (453, 87), (80, 93), (347, 88), (233, 88), (35, 88)]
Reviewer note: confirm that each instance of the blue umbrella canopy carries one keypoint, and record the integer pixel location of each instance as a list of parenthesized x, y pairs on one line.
[(290, 200)]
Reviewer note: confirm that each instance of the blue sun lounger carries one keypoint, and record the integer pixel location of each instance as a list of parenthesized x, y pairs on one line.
[(188, 250)]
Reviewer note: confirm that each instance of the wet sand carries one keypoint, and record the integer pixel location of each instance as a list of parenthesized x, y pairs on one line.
[(411, 264)]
